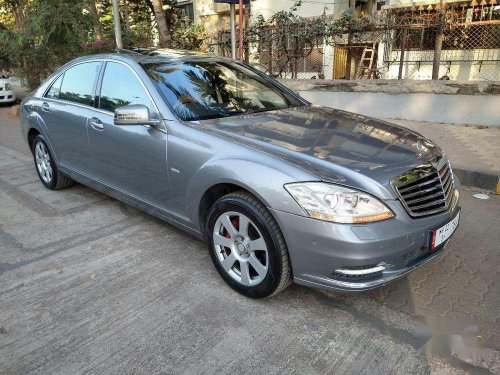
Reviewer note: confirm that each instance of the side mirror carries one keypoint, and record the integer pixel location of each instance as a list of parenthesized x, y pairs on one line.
[(134, 114)]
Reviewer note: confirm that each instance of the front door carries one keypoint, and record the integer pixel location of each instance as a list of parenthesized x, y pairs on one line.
[(132, 158)]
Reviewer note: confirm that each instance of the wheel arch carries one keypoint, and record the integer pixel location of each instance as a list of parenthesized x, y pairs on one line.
[(212, 194), (35, 129), (32, 134), (225, 176)]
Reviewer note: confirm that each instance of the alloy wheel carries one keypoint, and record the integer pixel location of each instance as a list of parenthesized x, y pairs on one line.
[(43, 164), (240, 248)]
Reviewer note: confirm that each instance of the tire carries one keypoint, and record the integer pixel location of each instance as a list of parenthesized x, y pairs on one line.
[(46, 168), (238, 228)]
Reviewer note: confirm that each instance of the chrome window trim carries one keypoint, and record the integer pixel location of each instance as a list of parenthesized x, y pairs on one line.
[(136, 76), (43, 97), (64, 72), (77, 105)]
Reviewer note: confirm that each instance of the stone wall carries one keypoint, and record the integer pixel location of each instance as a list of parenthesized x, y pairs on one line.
[(472, 103), (397, 87)]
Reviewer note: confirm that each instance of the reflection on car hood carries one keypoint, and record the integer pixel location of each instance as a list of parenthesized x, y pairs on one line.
[(328, 141)]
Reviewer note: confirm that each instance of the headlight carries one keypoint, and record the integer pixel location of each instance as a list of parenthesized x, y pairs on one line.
[(8, 87), (338, 204)]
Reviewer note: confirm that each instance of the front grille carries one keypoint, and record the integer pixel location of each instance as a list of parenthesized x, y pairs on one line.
[(426, 190)]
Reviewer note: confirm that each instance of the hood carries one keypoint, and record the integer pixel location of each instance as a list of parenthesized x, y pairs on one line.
[(330, 143)]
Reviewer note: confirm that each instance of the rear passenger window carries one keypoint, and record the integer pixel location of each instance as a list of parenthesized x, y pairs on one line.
[(53, 92), (78, 83), (120, 87)]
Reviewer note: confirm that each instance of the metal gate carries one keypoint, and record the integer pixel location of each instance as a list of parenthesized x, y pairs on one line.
[(339, 62)]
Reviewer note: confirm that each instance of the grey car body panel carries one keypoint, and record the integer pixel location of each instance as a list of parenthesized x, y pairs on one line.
[(198, 160), (67, 131), (121, 152), (331, 246), (334, 145), (166, 170)]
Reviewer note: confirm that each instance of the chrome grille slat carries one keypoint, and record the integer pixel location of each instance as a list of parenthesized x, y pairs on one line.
[(433, 181), (445, 179), (447, 186), (425, 190), (413, 201), (435, 203), (421, 192), (449, 193), (445, 173)]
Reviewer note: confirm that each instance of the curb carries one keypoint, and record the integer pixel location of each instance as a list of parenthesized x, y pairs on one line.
[(478, 180)]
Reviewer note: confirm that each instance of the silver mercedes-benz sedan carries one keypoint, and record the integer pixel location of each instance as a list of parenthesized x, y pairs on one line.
[(281, 190)]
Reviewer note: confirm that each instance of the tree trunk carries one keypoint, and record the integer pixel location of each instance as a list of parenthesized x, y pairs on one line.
[(95, 15), (126, 15), (19, 10), (439, 42), (161, 22)]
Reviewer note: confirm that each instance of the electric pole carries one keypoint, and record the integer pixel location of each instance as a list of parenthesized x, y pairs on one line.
[(118, 29)]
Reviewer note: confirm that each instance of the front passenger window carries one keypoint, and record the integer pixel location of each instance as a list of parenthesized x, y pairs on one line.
[(120, 87)]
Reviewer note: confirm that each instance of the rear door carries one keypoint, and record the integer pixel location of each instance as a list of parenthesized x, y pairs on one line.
[(65, 108), (132, 158)]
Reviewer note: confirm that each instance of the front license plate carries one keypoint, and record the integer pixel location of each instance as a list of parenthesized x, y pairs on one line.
[(442, 234)]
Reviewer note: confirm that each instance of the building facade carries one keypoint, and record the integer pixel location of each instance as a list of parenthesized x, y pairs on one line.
[(403, 43)]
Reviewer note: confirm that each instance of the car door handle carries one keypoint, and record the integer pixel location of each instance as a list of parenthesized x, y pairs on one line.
[(45, 107), (96, 123)]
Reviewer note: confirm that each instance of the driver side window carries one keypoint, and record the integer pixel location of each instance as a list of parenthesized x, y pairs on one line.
[(120, 87)]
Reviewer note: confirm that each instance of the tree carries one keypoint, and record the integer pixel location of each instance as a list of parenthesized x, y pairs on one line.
[(161, 22), (37, 36)]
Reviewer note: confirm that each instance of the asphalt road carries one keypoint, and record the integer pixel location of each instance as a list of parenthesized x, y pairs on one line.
[(91, 285)]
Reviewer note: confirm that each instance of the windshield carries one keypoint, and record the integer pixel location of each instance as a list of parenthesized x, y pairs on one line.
[(198, 90)]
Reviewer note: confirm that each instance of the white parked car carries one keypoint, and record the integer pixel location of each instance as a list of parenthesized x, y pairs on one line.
[(7, 95)]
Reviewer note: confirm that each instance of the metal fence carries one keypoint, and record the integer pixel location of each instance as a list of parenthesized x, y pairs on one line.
[(399, 43)]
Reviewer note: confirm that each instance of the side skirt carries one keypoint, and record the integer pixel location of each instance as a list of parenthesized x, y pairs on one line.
[(130, 200)]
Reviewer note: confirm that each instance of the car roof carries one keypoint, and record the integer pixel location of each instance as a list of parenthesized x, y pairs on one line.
[(146, 56)]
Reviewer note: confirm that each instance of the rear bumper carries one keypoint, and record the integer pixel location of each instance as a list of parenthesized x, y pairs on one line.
[(360, 257)]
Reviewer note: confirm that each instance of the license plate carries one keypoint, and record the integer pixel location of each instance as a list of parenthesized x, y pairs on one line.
[(442, 234)]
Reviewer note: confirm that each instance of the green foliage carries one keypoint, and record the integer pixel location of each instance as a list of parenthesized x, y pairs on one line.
[(186, 35), (54, 32), (37, 36)]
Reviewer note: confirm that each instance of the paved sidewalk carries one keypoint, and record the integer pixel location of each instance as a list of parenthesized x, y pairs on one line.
[(474, 151), (91, 285)]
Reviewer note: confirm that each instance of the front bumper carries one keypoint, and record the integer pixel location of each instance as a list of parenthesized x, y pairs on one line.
[(367, 255), (7, 96)]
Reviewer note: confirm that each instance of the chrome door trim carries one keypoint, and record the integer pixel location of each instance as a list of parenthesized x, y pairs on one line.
[(97, 90)]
